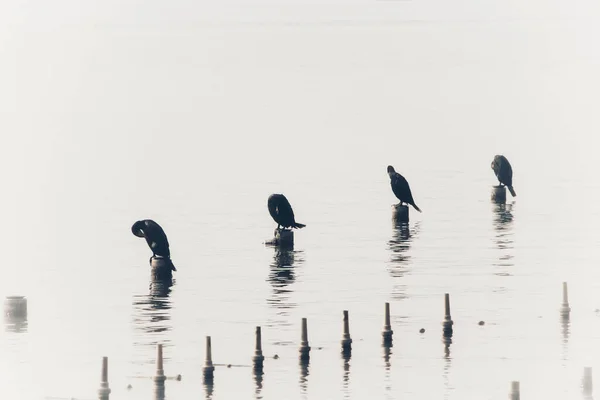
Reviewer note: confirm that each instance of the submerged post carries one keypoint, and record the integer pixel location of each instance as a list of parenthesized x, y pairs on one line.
[(209, 368), (499, 194), (400, 213), (258, 358), (104, 390), (304, 347), (587, 381), (387, 327), (565, 310), (159, 377), (515, 391), (346, 340), (447, 324)]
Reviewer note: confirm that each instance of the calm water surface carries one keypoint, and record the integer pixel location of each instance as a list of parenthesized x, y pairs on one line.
[(195, 124)]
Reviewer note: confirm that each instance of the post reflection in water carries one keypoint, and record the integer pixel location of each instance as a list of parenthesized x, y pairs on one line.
[(304, 372), (387, 353), (565, 323), (503, 225), (151, 323), (447, 340), (282, 273), (399, 245), (159, 391), (346, 355), (258, 381), (209, 389)]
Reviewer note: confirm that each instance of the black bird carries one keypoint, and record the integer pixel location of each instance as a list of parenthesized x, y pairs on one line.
[(281, 211), (503, 172), (400, 188), (155, 237)]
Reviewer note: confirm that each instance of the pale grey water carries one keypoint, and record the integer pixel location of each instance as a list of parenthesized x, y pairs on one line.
[(109, 116)]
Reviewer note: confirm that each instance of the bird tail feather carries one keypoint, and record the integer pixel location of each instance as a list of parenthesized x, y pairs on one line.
[(417, 208), (512, 191), (299, 225)]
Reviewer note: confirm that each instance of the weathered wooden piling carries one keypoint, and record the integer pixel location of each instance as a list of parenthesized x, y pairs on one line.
[(161, 268), (284, 237), (159, 377), (499, 194), (400, 213), (15, 307), (587, 381), (387, 332), (346, 340), (565, 310), (209, 368), (258, 358), (304, 346), (447, 324), (104, 391), (515, 391)]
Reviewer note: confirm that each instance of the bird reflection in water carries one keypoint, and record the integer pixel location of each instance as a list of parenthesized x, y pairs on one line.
[(151, 321), (281, 275), (399, 245), (503, 225)]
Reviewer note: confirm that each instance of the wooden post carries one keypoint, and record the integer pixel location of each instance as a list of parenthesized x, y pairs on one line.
[(209, 368), (447, 324), (161, 268), (565, 310), (346, 340), (387, 328), (304, 347), (258, 358), (400, 213), (515, 391), (104, 390), (499, 194), (159, 377)]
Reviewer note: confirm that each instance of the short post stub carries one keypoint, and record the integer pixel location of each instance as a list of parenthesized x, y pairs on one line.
[(15, 307), (400, 213), (284, 237), (587, 381), (447, 324), (387, 327), (565, 310), (515, 391), (304, 346), (258, 358), (346, 339), (161, 268), (209, 368), (104, 390), (499, 194), (159, 376)]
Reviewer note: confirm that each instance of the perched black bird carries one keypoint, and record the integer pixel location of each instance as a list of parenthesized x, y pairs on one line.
[(155, 237), (281, 211), (503, 172), (400, 188)]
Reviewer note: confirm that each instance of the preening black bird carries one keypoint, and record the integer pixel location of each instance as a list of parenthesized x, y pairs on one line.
[(281, 211), (155, 237), (504, 173), (401, 188)]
